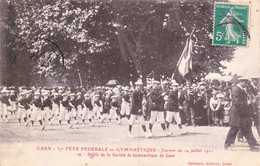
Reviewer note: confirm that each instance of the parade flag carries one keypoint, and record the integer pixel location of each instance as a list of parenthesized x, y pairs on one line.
[(184, 64)]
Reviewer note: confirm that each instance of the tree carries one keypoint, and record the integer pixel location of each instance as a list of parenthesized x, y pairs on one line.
[(108, 40)]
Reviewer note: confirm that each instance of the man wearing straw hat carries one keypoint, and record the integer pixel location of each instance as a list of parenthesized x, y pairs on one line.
[(87, 110), (5, 104), (73, 107), (22, 107), (36, 114), (56, 104), (136, 111), (125, 106), (47, 107), (79, 103), (13, 102), (172, 108), (114, 106), (64, 109), (97, 107), (156, 103)]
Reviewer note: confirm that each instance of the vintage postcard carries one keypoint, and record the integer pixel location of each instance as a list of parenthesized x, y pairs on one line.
[(131, 82)]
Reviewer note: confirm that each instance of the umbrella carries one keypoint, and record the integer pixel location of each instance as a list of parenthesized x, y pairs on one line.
[(214, 76), (112, 82), (227, 78)]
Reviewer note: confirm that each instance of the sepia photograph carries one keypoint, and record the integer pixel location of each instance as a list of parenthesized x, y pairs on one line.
[(129, 82)]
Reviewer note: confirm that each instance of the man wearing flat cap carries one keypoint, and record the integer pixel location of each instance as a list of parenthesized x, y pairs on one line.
[(239, 116)]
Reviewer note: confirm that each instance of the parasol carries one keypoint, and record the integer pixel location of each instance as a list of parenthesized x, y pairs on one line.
[(112, 82), (227, 78), (214, 76)]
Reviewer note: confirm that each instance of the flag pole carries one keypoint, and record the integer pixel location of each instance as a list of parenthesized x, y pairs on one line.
[(190, 37), (80, 80), (192, 31)]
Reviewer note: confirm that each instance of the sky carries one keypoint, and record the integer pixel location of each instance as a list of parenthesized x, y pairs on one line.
[(246, 60)]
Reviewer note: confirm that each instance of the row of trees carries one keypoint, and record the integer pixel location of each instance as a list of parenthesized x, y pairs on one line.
[(57, 42)]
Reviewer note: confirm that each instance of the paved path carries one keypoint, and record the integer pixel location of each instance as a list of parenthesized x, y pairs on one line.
[(203, 145)]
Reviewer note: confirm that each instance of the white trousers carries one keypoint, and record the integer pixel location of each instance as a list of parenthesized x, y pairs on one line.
[(13, 106), (55, 109), (64, 114), (155, 115), (36, 114), (21, 113), (133, 118), (112, 113), (86, 114), (4, 109), (125, 108), (175, 115), (97, 111)]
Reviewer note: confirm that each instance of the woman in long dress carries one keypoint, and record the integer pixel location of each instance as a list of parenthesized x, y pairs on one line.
[(230, 21)]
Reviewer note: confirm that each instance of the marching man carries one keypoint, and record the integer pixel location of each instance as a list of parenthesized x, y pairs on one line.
[(125, 106), (56, 104), (136, 108), (5, 104), (13, 102), (87, 110), (36, 114), (22, 107), (79, 104), (113, 110), (107, 105), (172, 109), (97, 107), (73, 110), (47, 107), (64, 110), (156, 107)]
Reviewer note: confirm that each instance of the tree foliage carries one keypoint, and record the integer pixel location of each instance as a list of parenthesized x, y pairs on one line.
[(99, 41)]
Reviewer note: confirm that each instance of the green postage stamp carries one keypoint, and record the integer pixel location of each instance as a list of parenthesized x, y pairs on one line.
[(231, 24)]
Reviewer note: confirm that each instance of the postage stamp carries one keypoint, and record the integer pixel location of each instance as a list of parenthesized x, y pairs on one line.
[(231, 24)]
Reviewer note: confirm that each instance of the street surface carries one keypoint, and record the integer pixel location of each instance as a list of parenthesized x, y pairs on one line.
[(22, 145)]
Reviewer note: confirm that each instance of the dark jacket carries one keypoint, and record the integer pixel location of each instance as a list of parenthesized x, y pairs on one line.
[(47, 103), (155, 100), (239, 114), (187, 97), (173, 103), (136, 103), (88, 104), (38, 103)]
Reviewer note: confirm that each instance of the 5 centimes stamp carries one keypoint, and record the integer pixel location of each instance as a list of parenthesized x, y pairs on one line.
[(231, 24)]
